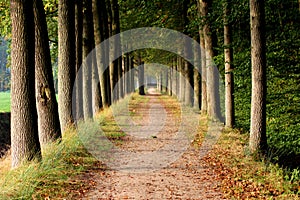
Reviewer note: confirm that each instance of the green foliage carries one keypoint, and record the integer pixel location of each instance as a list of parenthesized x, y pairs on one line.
[(5, 22)]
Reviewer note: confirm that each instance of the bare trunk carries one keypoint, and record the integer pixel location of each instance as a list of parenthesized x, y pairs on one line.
[(212, 77), (66, 61), (88, 41), (201, 10), (24, 128), (229, 84), (170, 82), (196, 79), (258, 139), (78, 59), (132, 86), (48, 119), (141, 77), (100, 32), (181, 80)]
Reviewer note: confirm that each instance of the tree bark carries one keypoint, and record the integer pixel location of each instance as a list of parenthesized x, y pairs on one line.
[(229, 84), (201, 11), (196, 77), (203, 74), (182, 81), (88, 41), (100, 34), (214, 110), (48, 119), (24, 128), (141, 77), (258, 138), (66, 61), (78, 59), (132, 70)]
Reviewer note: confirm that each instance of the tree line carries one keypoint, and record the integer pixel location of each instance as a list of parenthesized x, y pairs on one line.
[(37, 118)]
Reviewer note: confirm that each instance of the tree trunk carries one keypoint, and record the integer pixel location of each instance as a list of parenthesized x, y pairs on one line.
[(214, 110), (66, 61), (132, 70), (126, 74), (115, 31), (229, 84), (258, 139), (202, 12), (181, 80), (141, 77), (166, 71), (188, 69), (175, 78), (170, 80), (196, 79), (24, 128), (78, 59), (48, 119), (88, 41), (114, 64), (100, 34)]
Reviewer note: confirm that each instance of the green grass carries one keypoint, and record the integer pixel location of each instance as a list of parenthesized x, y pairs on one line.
[(55, 177), (50, 177), (4, 102)]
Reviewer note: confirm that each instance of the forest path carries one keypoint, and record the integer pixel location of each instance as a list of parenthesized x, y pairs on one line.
[(161, 163)]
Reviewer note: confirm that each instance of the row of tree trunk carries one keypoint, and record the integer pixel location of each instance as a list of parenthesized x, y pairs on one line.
[(37, 118)]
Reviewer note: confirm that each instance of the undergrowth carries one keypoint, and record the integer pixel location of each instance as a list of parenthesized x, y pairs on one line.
[(242, 177), (49, 178)]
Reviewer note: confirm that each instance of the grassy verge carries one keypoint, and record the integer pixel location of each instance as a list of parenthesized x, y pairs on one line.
[(241, 177), (51, 177), (4, 102), (56, 176)]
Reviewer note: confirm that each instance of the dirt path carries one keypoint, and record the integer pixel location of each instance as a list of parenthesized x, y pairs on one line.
[(161, 162)]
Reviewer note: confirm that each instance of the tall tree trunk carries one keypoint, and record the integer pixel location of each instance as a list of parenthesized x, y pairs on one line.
[(78, 59), (258, 138), (88, 41), (196, 79), (175, 78), (229, 84), (126, 74), (170, 83), (24, 128), (188, 69), (202, 12), (214, 110), (182, 81), (116, 50), (114, 65), (203, 74), (96, 91), (100, 34), (66, 61), (48, 119), (166, 71), (141, 77), (132, 73)]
